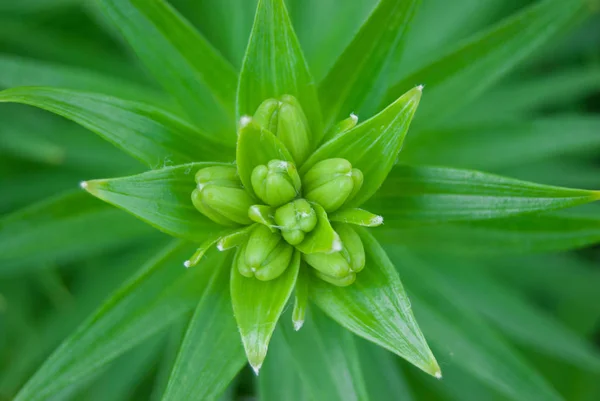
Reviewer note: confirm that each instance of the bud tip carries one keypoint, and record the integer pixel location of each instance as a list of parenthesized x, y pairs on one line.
[(187, 264), (83, 184), (245, 120), (298, 324)]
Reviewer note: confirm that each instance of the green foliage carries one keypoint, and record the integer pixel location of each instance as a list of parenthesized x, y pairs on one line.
[(95, 306)]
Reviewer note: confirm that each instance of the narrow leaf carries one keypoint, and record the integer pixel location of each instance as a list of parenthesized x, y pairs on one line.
[(515, 235), (20, 71), (181, 60), (62, 229), (161, 198), (437, 194), (149, 134), (357, 71), (159, 294), (274, 66), (325, 358), (376, 307), (211, 354), (372, 146), (462, 74), (358, 217), (257, 146), (465, 340), (257, 306), (498, 145)]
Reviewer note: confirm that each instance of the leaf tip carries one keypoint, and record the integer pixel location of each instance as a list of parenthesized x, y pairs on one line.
[(256, 367), (83, 185), (187, 264), (438, 374), (354, 117), (298, 324), (244, 121), (420, 88), (376, 221)]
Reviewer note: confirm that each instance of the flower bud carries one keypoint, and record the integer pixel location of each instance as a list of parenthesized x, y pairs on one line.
[(330, 264), (331, 182), (267, 114), (276, 183), (266, 254), (293, 128), (340, 282), (352, 247), (220, 196), (295, 219)]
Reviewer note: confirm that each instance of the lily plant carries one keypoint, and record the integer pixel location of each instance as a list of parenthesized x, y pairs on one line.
[(281, 190)]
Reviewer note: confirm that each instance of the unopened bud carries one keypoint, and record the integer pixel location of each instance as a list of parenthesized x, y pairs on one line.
[(267, 114), (293, 129), (332, 182), (220, 196), (352, 247), (330, 264), (266, 255), (276, 183), (295, 219), (340, 282)]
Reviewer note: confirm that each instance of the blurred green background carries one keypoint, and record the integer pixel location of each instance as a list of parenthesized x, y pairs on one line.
[(50, 283)]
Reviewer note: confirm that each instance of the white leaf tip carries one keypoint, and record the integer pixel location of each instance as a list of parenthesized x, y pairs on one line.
[(298, 324), (336, 246), (187, 264), (256, 369), (245, 120), (438, 374), (220, 246), (83, 184), (377, 220), (420, 87), (354, 117)]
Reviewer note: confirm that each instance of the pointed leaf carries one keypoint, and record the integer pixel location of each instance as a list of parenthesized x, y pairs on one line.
[(358, 217), (376, 307), (211, 354), (325, 358), (462, 74), (159, 294), (527, 234), (58, 230), (356, 72), (257, 306), (161, 198), (372, 146), (181, 60), (149, 134), (437, 194), (465, 340), (257, 146), (274, 66)]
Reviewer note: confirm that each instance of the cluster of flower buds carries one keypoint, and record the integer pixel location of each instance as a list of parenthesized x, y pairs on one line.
[(288, 211)]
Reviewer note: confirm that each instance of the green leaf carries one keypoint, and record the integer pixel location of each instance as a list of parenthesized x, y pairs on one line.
[(147, 133), (159, 294), (181, 60), (439, 194), (35, 6), (257, 146), (358, 217), (274, 66), (465, 341), (356, 72), (462, 74), (373, 146), (325, 357), (279, 380), (515, 235), (211, 354), (63, 229), (514, 315), (257, 306), (20, 71), (161, 198), (499, 145), (376, 307)]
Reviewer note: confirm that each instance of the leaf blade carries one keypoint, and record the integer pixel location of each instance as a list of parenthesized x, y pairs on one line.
[(274, 66), (376, 307)]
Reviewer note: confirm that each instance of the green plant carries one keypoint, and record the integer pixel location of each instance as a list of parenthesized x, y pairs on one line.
[(283, 221)]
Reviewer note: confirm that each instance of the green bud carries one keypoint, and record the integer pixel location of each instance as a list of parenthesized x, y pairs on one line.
[(352, 247), (276, 183), (340, 282), (266, 254), (330, 264), (293, 129), (267, 115), (295, 219), (220, 196), (332, 182)]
